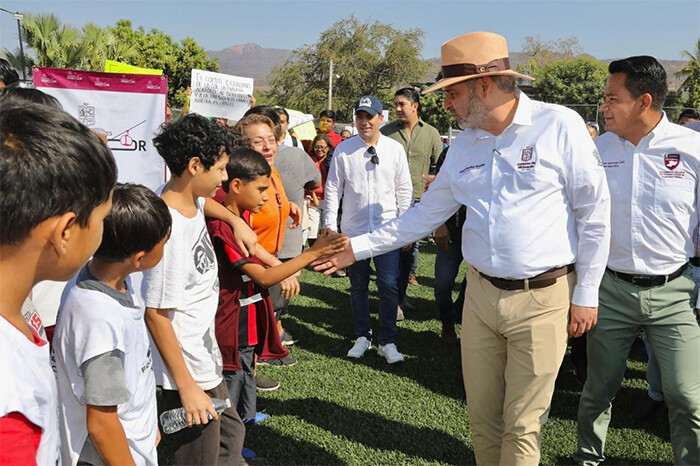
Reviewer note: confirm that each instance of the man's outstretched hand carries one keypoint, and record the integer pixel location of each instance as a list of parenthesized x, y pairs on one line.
[(340, 260)]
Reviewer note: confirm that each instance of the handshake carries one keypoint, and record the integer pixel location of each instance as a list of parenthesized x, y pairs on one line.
[(333, 251)]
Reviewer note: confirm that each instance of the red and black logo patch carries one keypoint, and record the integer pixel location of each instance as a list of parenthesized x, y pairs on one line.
[(672, 160)]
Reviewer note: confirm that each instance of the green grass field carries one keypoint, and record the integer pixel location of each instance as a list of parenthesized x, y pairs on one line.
[(331, 410)]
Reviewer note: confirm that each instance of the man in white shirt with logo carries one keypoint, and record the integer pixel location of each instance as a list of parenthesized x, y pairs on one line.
[(369, 175), (537, 208), (653, 169)]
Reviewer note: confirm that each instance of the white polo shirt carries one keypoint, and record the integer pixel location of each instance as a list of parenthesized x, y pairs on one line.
[(536, 198), (370, 194), (655, 193)]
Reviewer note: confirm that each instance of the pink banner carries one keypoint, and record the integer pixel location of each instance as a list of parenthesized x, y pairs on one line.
[(97, 81)]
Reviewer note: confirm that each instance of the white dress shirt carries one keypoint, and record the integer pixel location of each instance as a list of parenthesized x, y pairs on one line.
[(370, 194), (655, 191), (536, 199)]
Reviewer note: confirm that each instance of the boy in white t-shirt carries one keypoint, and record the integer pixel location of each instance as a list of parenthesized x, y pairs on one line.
[(182, 293), (102, 354), (57, 178)]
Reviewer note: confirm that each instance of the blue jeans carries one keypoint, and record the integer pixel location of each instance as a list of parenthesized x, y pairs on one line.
[(387, 271), (408, 261), (446, 269)]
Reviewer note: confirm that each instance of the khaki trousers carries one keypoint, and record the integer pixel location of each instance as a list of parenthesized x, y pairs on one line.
[(513, 343)]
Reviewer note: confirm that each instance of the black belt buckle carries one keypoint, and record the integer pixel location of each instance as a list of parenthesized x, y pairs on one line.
[(695, 261), (642, 280)]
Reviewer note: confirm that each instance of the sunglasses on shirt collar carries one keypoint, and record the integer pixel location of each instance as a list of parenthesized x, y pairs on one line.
[(373, 153)]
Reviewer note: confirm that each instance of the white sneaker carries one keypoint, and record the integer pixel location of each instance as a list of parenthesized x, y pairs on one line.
[(390, 353), (360, 347)]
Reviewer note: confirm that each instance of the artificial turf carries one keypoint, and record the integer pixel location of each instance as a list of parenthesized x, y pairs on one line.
[(333, 410)]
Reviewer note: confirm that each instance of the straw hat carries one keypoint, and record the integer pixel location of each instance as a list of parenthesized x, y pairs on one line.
[(472, 56)]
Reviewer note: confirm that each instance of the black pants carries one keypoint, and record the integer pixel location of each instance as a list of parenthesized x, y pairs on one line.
[(214, 443)]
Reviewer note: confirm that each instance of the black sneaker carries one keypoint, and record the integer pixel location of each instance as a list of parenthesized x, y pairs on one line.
[(266, 384), (647, 409), (287, 339), (287, 361)]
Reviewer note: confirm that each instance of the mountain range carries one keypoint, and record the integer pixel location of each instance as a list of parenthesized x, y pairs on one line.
[(253, 61)]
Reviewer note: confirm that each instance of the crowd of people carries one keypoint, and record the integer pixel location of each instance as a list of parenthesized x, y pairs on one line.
[(567, 233)]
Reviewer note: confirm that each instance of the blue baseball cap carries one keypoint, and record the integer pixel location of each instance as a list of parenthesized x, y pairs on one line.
[(369, 104)]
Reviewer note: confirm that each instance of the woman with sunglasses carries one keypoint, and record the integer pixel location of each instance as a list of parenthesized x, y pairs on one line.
[(321, 147)]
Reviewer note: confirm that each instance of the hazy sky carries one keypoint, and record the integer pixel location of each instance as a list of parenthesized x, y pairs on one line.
[(605, 28)]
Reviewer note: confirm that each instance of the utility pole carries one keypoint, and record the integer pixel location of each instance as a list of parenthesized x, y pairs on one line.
[(330, 87), (19, 17)]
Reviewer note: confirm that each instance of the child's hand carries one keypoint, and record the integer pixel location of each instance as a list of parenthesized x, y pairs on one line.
[(197, 404), (290, 287), (329, 243)]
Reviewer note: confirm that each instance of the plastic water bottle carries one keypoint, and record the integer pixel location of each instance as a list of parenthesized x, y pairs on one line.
[(176, 419)]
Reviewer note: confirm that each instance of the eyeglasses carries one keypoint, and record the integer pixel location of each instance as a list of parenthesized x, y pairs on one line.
[(373, 152), (320, 147), (259, 141)]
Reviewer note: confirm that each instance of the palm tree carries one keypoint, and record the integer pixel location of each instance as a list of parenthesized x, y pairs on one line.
[(103, 45), (54, 45), (691, 75), (15, 60)]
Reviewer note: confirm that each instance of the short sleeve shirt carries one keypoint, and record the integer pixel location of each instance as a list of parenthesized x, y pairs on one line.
[(241, 301), (186, 283), (297, 170)]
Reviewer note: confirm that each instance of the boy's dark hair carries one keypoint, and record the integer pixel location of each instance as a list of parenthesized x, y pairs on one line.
[(192, 136), (272, 114), (282, 111), (644, 75), (138, 221), (8, 75), (50, 164), (411, 94), (19, 95), (689, 113), (328, 114), (246, 165)]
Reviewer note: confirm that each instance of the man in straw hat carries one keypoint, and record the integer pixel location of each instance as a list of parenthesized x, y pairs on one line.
[(537, 210)]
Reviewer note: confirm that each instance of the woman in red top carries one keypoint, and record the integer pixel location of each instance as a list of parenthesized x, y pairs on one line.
[(320, 148)]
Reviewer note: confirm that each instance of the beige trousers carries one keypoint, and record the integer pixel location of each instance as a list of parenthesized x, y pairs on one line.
[(513, 343)]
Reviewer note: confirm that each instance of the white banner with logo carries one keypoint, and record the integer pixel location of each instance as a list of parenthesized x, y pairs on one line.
[(128, 108)]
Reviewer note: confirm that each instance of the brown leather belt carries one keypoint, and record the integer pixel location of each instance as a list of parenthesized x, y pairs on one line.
[(542, 280), (648, 280)]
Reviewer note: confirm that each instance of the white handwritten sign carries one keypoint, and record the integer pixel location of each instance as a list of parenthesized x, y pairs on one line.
[(220, 95)]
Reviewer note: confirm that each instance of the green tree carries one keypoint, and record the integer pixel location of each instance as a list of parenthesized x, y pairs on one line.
[(432, 112), (541, 53), (53, 44), (690, 87), (103, 45), (574, 82), (368, 58), (156, 49)]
